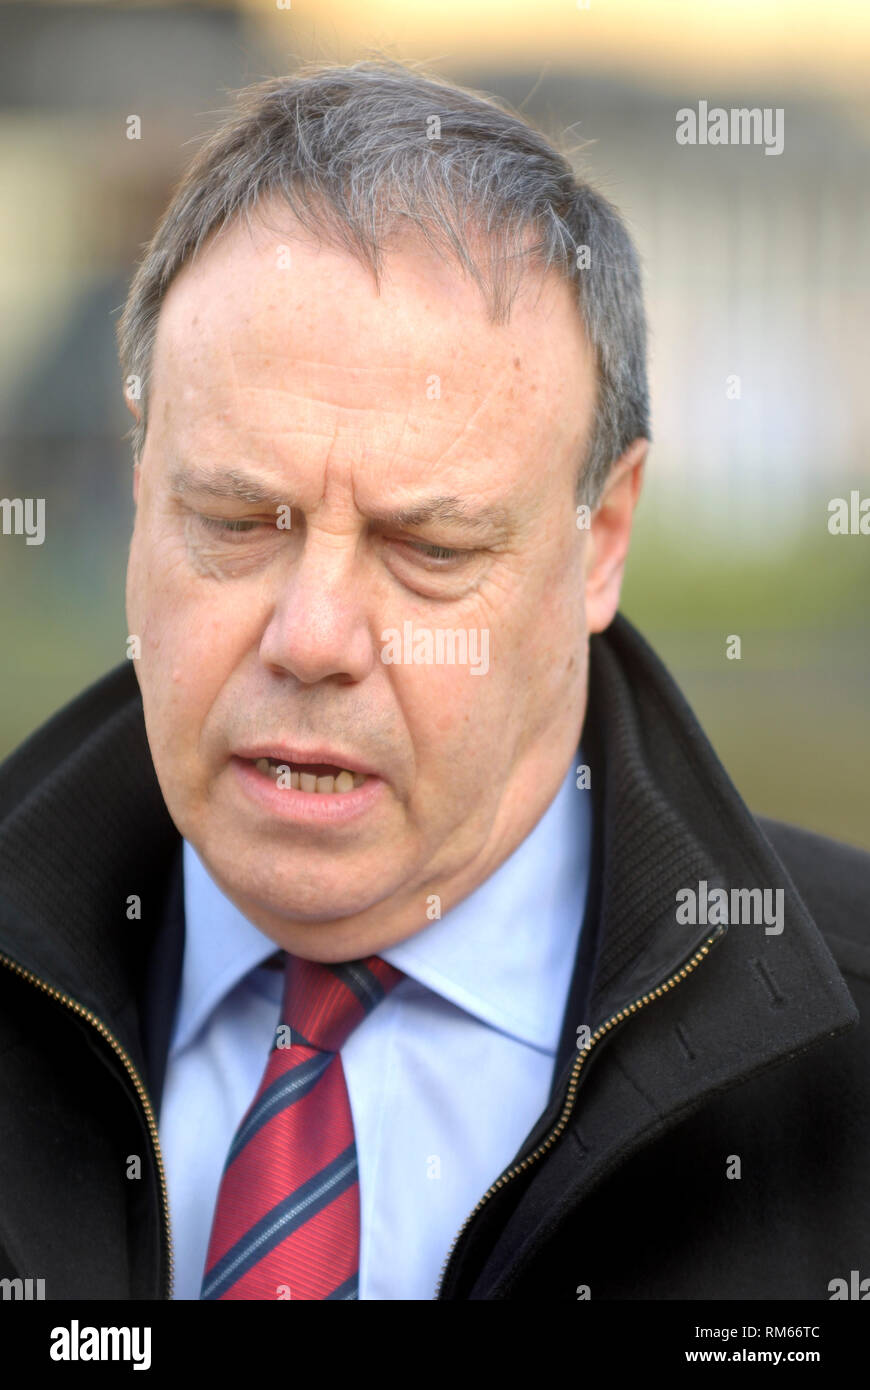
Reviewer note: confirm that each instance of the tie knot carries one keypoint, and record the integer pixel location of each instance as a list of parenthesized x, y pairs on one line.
[(324, 1003)]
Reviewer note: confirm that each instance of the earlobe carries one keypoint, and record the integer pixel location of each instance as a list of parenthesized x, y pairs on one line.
[(132, 405)]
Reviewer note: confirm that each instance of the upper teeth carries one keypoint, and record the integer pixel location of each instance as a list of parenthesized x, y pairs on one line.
[(307, 781)]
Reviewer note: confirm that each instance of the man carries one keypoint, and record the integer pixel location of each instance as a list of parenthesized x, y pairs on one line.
[(386, 927)]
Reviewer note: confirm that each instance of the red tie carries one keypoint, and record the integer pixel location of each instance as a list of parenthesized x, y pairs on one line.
[(286, 1223)]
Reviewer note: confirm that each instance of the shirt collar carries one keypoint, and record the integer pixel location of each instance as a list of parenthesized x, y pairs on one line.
[(534, 902), (506, 952), (220, 948)]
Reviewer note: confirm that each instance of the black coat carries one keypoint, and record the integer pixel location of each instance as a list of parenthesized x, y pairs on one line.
[(713, 1050)]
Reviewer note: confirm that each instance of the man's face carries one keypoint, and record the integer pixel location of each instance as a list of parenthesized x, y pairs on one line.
[(279, 372)]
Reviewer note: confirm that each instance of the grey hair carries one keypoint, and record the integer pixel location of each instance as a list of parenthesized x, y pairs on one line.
[(350, 151)]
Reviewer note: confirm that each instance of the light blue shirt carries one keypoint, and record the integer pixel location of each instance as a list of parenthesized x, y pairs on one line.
[(446, 1077)]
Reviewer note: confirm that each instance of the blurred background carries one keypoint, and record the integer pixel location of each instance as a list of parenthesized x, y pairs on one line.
[(756, 268)]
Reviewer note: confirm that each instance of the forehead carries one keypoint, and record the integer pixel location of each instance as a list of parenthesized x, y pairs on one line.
[(268, 334)]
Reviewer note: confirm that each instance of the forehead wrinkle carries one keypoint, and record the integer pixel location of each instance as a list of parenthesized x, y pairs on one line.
[(393, 420), (469, 423), (320, 363), (407, 435), (302, 395)]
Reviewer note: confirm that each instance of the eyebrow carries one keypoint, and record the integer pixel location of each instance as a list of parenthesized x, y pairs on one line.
[(229, 483), (448, 510), (235, 484)]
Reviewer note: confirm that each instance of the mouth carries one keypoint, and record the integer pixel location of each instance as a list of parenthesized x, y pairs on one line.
[(316, 789), (319, 779)]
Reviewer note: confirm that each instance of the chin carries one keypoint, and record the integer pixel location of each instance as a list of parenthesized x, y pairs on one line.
[(295, 893)]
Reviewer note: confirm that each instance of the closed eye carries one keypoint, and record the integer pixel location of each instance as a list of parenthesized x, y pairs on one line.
[(436, 552), (222, 523)]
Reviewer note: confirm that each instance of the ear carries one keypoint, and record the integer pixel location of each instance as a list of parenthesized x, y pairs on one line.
[(609, 536), (135, 410), (131, 402)]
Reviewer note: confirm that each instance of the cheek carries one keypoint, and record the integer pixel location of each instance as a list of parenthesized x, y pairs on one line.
[(556, 626), (193, 635), (457, 721), (538, 659)]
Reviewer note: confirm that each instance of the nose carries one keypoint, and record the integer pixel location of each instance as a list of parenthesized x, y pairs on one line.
[(318, 628)]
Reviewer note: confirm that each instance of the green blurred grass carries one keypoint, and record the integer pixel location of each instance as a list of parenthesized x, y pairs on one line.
[(790, 720)]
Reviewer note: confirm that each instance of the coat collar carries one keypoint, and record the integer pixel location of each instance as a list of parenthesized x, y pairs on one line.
[(84, 831), (666, 817), (670, 818)]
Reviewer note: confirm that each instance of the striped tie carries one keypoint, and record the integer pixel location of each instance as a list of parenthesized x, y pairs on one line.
[(286, 1223)]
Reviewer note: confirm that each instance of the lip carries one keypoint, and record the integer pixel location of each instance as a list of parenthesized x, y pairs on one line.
[(306, 808), (283, 753)]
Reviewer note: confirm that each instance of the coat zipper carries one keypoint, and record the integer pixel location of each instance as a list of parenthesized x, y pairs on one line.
[(505, 1177), (140, 1090), (562, 1121)]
